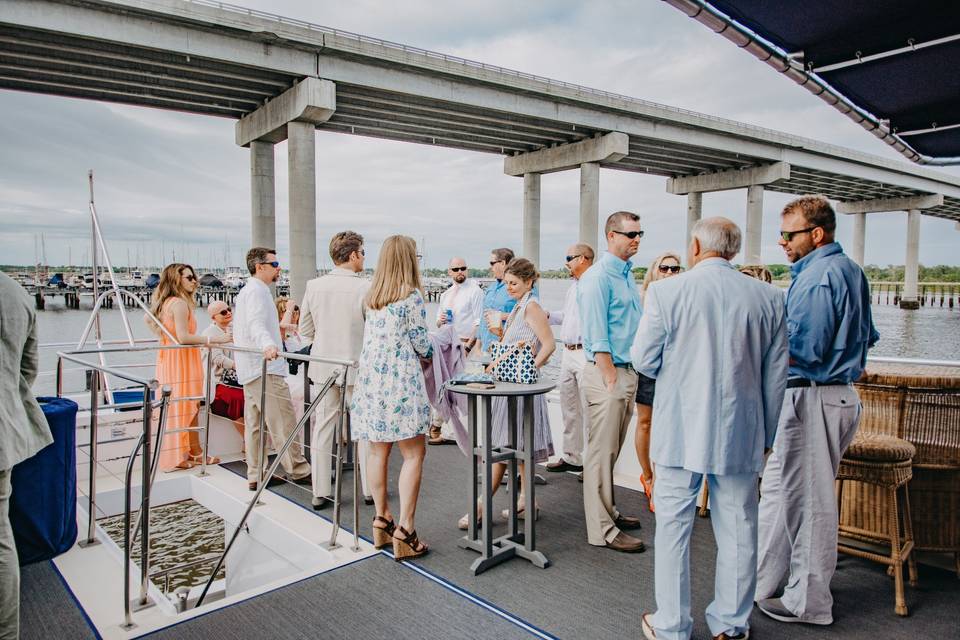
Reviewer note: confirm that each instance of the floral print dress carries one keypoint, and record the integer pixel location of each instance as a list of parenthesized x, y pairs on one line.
[(390, 400)]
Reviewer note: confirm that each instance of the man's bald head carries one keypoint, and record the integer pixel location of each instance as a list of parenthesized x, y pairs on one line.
[(457, 269)]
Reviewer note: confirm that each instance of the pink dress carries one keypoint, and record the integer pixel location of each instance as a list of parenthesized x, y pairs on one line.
[(182, 371)]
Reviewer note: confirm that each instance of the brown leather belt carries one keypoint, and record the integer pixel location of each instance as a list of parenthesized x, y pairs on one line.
[(573, 347)]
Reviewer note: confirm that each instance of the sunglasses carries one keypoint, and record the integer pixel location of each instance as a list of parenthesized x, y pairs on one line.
[(572, 258), (493, 262), (630, 234), (274, 264), (362, 252), (788, 235), (666, 268), (458, 269), (190, 278), (224, 312)]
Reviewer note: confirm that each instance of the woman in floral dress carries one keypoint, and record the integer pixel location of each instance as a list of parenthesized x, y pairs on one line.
[(390, 403)]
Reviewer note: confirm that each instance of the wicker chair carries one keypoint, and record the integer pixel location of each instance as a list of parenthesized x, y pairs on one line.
[(884, 463), (921, 405)]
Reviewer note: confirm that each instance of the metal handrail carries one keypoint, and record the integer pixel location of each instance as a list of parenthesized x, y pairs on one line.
[(149, 469), (261, 486)]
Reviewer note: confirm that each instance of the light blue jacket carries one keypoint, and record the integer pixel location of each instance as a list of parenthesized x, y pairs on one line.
[(716, 342)]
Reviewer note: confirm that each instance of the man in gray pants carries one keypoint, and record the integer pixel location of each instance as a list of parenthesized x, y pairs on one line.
[(830, 328), (23, 431)]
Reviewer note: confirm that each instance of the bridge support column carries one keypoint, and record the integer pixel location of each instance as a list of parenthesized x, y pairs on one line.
[(293, 116), (911, 270), (590, 204), (754, 230), (587, 155), (694, 212), (859, 237), (262, 195), (303, 206), (531, 218)]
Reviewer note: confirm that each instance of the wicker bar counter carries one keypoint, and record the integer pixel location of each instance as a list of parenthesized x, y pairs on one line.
[(920, 404)]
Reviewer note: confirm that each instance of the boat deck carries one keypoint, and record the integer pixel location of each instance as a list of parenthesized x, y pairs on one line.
[(587, 592)]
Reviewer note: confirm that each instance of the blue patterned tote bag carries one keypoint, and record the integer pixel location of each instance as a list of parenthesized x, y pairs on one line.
[(513, 363)]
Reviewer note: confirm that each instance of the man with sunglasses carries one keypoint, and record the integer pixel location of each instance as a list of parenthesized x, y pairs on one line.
[(609, 306), (256, 326), (579, 258), (460, 306), (830, 328), (497, 303), (333, 315)]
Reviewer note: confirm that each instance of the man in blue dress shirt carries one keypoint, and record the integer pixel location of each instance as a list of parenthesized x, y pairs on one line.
[(716, 342), (609, 308), (830, 329), (496, 299)]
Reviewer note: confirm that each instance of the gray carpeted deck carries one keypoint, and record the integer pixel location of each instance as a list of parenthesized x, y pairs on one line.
[(47, 610), (588, 592), (591, 592), (374, 599)]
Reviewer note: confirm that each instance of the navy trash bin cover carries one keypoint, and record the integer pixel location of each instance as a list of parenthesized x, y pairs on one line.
[(43, 503)]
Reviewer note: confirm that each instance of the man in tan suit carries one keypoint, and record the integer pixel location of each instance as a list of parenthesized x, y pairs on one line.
[(23, 430), (332, 315)]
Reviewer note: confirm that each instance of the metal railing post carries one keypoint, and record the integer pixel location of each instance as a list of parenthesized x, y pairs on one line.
[(263, 419), (261, 487), (127, 617), (145, 499), (59, 377), (357, 490), (206, 419), (340, 434), (92, 482), (155, 464)]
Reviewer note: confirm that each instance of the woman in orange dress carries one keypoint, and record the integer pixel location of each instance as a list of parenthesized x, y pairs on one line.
[(180, 369)]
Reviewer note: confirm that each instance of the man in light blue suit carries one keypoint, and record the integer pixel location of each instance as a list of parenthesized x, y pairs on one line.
[(716, 342)]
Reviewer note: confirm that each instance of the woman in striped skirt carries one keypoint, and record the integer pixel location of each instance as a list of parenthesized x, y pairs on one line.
[(528, 324)]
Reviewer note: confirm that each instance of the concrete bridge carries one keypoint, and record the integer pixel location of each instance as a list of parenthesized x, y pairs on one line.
[(282, 79)]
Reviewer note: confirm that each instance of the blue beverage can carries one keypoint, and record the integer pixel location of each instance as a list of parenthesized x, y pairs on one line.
[(449, 315)]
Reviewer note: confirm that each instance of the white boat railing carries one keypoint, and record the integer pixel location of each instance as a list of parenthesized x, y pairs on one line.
[(151, 455)]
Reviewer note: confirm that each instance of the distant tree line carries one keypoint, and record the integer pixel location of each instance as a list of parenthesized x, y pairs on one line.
[(875, 273)]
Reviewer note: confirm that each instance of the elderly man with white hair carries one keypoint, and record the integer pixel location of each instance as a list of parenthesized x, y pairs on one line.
[(716, 343)]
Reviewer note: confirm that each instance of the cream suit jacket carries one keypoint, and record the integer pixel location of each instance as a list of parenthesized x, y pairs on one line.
[(332, 315)]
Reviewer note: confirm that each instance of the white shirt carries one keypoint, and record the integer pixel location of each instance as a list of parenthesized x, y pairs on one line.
[(466, 302), (570, 325), (256, 326)]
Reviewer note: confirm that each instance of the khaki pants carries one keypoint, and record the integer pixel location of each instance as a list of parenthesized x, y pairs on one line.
[(571, 404), (608, 417), (326, 419), (9, 567), (280, 421)]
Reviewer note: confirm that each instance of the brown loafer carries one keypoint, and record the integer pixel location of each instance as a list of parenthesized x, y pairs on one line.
[(627, 522), (626, 543), (563, 465), (727, 636)]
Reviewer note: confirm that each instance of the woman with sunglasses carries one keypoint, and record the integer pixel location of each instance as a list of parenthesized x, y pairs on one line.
[(227, 397), (664, 266), (180, 369)]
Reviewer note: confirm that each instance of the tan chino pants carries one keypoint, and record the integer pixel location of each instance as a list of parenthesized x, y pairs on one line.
[(608, 417)]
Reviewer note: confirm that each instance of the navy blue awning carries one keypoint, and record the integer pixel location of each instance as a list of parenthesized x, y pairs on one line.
[(896, 60)]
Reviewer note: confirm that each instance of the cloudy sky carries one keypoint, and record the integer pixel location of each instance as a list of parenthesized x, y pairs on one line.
[(170, 182)]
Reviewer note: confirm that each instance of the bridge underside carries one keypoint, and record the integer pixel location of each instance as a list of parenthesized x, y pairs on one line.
[(56, 63)]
